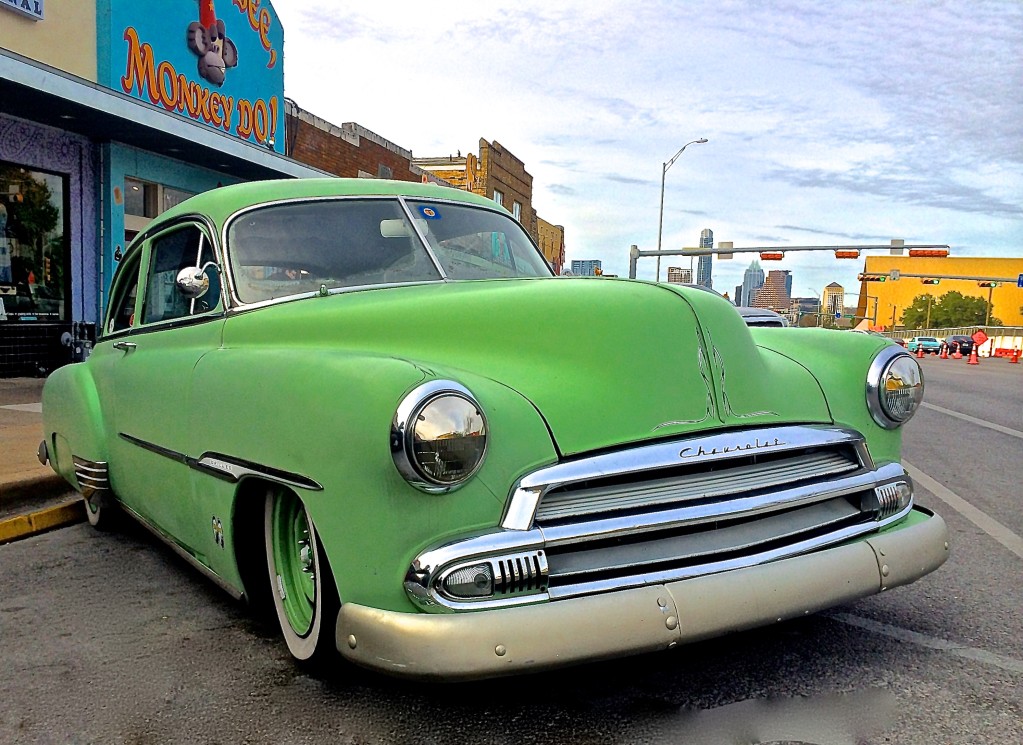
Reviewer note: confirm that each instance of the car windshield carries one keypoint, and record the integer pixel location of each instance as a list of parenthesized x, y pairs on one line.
[(294, 248)]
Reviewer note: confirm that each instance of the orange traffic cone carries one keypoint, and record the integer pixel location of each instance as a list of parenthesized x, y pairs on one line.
[(920, 350), (973, 357), (957, 355), (1014, 360), (944, 352)]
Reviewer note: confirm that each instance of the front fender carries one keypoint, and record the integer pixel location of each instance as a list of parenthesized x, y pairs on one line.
[(326, 415), (839, 361)]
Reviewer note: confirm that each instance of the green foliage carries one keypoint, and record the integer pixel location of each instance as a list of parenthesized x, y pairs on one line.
[(950, 310)]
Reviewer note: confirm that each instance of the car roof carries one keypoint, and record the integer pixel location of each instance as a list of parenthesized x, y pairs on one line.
[(225, 200)]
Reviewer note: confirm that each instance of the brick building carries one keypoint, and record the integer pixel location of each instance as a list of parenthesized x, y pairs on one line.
[(774, 293), (552, 243), (349, 150), (495, 173)]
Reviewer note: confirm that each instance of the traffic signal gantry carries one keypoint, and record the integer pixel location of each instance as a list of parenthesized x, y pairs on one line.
[(726, 250)]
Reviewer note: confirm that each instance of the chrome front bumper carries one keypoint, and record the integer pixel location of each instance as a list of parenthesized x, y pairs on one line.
[(519, 639)]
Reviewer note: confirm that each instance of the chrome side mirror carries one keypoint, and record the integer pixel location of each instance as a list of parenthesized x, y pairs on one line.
[(193, 282)]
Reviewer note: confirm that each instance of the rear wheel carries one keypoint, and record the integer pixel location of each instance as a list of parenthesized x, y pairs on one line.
[(101, 510), (301, 583)]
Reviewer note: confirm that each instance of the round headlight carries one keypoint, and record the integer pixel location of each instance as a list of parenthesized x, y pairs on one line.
[(439, 436), (895, 387)]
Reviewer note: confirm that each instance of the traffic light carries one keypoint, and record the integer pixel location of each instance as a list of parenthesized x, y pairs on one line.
[(930, 281), (871, 277), (847, 254), (987, 284), (934, 253), (771, 255)]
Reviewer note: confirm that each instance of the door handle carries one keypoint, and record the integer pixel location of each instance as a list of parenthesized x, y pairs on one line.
[(125, 346)]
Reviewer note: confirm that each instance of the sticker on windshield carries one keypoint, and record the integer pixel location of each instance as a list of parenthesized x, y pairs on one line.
[(430, 213)]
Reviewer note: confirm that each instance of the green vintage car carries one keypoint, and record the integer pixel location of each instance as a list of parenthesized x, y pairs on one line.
[(370, 406)]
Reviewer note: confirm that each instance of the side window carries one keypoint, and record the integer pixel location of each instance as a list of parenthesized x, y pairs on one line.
[(170, 253), (121, 312)]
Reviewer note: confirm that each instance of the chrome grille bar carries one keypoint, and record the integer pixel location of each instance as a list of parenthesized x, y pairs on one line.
[(559, 505)]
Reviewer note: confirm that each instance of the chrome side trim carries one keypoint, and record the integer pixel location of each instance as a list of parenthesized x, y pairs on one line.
[(92, 476), (227, 467), (528, 492)]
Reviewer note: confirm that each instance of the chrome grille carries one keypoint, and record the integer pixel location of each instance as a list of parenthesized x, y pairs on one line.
[(673, 510), (562, 504)]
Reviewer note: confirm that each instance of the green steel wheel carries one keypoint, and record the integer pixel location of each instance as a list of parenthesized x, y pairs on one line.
[(301, 583)]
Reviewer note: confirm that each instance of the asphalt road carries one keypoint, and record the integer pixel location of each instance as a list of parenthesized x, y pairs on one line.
[(109, 638)]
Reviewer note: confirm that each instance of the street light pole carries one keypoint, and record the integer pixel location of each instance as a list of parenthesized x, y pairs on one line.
[(660, 220)]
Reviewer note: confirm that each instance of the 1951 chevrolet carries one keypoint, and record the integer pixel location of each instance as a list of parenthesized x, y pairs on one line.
[(370, 406)]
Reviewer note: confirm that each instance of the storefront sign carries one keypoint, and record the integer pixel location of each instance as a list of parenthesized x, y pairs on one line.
[(32, 8), (222, 69)]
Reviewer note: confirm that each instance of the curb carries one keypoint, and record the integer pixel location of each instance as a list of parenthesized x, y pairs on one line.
[(34, 488), (40, 521)]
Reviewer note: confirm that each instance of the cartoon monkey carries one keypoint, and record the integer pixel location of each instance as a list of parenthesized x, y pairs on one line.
[(207, 38)]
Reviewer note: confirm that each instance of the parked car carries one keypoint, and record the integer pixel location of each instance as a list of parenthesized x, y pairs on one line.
[(929, 344), (960, 342), (761, 317), (751, 316), (898, 340), (370, 405)]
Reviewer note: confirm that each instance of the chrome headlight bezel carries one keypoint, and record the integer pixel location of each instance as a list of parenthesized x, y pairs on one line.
[(888, 361), (409, 413)]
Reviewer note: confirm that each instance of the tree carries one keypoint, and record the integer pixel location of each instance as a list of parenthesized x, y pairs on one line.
[(950, 310)]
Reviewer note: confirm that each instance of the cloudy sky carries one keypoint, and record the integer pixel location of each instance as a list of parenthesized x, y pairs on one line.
[(828, 123)]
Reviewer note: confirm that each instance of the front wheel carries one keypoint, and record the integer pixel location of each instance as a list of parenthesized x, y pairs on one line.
[(301, 583)]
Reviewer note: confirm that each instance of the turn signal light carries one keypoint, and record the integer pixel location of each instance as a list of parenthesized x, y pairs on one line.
[(871, 277)]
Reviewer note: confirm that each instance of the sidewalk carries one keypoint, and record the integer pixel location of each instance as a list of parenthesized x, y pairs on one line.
[(33, 498)]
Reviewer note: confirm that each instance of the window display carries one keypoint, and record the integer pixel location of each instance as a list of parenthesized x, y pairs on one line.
[(33, 249)]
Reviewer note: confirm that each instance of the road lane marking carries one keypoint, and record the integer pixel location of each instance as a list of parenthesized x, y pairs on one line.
[(931, 642), (36, 408), (975, 420), (986, 523)]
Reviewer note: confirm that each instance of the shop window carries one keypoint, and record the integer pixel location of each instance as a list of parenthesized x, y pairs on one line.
[(144, 200), (34, 257), (141, 198)]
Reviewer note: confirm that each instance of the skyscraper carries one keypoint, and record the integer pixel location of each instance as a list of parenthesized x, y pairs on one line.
[(774, 294), (752, 280), (703, 267)]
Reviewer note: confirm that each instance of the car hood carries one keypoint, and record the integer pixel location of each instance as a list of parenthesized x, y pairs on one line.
[(604, 361)]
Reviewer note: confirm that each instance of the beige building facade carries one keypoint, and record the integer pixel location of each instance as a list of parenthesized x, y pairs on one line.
[(64, 37), (886, 301)]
